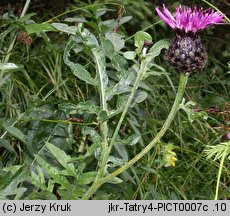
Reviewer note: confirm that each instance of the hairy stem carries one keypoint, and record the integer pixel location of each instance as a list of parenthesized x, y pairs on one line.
[(129, 101), (100, 64), (106, 152), (171, 116)]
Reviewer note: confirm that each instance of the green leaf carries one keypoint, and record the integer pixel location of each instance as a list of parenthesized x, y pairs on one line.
[(139, 97), (53, 173), (42, 129), (38, 179), (62, 158), (10, 184), (5, 79), (65, 28), (130, 55), (26, 18), (6, 144), (159, 72), (86, 36), (112, 23), (121, 150), (12, 190), (118, 62), (76, 19), (8, 66), (120, 145), (133, 139), (86, 178), (12, 169), (5, 180), (96, 138), (139, 38), (68, 108), (80, 108), (216, 152), (122, 86), (39, 27), (102, 116), (116, 40), (157, 47), (101, 11), (78, 70), (74, 193), (188, 108), (115, 161), (15, 132), (115, 180), (154, 51), (156, 73), (121, 102)]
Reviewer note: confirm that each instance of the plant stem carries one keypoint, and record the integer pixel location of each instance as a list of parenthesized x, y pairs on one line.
[(83, 9), (26, 6), (100, 64), (220, 170), (106, 151), (175, 108), (129, 101)]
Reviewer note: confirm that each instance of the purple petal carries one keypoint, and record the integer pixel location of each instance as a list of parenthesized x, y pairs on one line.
[(168, 14), (165, 18), (188, 19)]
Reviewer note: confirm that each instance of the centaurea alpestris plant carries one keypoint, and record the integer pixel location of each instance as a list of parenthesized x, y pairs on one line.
[(186, 54)]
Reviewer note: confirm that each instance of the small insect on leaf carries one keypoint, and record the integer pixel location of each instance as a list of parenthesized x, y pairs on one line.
[(75, 120)]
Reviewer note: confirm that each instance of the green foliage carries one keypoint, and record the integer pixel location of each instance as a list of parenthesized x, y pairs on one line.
[(63, 96), (217, 151), (11, 182)]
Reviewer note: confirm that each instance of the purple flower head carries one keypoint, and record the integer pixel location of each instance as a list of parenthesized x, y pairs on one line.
[(187, 19)]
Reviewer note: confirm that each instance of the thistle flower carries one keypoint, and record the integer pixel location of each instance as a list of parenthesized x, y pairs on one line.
[(186, 53)]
